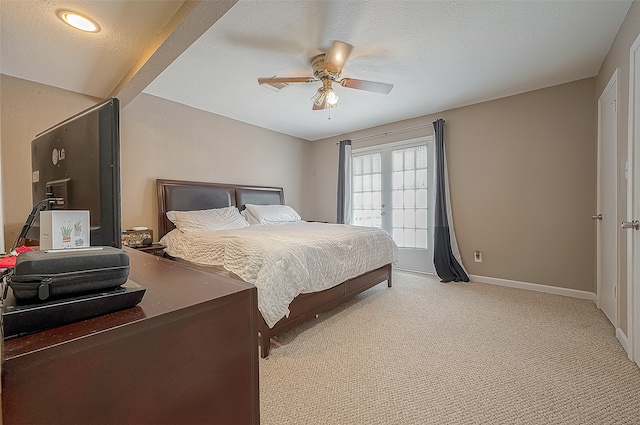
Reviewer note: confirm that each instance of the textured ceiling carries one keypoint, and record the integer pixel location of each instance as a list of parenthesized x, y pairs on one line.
[(438, 54), (35, 45)]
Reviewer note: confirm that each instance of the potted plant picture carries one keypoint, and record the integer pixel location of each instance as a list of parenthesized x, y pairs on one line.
[(77, 228), (65, 231)]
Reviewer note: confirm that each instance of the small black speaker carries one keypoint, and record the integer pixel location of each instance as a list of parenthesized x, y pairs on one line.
[(147, 242)]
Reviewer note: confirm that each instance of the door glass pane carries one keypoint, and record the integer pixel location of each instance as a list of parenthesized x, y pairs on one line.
[(398, 236), (409, 238), (366, 183), (409, 219), (421, 157), (398, 197), (409, 159), (366, 164), (366, 200), (421, 218), (377, 163), (357, 165), (421, 198), (421, 178), (410, 197), (398, 218), (367, 190), (376, 200), (409, 179), (397, 161), (376, 182), (398, 180), (357, 184)]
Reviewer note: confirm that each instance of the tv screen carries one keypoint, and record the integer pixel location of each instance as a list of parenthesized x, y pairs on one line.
[(76, 164)]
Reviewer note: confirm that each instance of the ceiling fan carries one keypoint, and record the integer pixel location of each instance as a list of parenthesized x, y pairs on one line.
[(327, 68)]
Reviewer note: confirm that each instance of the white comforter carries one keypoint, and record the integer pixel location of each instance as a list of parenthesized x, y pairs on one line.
[(286, 260)]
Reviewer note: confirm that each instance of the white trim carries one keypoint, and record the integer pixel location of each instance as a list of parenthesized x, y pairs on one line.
[(633, 287), (623, 339), (613, 84), (408, 143), (555, 290)]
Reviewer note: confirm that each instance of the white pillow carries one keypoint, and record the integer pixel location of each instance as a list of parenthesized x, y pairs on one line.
[(205, 220), (270, 214), (249, 217)]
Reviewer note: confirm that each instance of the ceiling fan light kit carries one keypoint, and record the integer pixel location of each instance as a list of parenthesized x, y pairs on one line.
[(327, 68), (325, 97)]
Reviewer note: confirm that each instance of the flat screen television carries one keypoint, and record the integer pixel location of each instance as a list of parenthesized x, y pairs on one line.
[(76, 165)]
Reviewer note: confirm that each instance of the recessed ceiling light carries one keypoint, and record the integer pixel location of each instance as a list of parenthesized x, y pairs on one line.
[(78, 21)]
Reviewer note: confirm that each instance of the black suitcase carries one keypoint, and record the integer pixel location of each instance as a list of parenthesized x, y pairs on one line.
[(40, 275)]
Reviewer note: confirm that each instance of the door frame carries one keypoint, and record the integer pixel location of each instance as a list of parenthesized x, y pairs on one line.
[(429, 140), (633, 195), (612, 84)]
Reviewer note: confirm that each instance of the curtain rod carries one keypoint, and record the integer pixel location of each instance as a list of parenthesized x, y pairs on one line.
[(387, 133)]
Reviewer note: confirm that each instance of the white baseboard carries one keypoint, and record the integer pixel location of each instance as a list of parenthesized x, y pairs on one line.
[(623, 341), (574, 293), (586, 295)]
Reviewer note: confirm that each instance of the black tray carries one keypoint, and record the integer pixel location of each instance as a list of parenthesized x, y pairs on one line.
[(19, 318)]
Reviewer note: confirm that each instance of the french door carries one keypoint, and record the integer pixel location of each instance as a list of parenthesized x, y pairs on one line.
[(393, 190)]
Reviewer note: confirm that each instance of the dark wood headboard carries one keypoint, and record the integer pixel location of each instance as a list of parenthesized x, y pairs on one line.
[(179, 195)]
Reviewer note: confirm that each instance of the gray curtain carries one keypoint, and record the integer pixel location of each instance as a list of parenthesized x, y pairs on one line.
[(344, 183), (446, 256)]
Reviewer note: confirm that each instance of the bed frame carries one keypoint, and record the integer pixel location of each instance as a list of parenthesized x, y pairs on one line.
[(177, 195)]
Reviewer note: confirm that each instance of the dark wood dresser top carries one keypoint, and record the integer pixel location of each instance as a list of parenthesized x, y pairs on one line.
[(192, 334), (164, 295)]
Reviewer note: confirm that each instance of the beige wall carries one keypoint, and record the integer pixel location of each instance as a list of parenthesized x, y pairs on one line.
[(162, 139), (522, 173), (618, 58), (26, 109), (159, 139)]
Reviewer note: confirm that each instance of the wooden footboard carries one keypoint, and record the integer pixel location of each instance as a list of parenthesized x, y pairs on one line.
[(306, 306)]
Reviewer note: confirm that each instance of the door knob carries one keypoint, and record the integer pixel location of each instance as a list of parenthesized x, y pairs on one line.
[(597, 217), (635, 224)]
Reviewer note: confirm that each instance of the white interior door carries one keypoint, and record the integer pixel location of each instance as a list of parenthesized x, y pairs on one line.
[(393, 190), (607, 216), (633, 209)]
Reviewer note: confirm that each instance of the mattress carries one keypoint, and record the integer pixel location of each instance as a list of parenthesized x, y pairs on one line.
[(285, 260)]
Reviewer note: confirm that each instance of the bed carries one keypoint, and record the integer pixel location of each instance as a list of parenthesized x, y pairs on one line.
[(176, 195)]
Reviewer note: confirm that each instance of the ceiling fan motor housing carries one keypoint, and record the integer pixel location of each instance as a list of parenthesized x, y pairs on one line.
[(319, 71)]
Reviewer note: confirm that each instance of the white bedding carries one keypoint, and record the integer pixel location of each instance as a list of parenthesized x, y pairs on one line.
[(286, 260)]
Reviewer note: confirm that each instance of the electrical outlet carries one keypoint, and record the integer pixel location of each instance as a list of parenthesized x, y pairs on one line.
[(478, 256)]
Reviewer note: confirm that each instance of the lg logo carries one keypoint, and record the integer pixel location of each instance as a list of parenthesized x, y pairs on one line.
[(57, 155)]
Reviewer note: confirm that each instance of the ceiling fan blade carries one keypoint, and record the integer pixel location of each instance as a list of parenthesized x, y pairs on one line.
[(278, 83), (373, 86), (286, 80), (336, 57)]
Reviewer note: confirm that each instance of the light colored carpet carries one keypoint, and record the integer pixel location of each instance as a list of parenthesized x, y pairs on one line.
[(425, 352)]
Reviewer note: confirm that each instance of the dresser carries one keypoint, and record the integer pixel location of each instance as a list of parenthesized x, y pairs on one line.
[(187, 354)]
